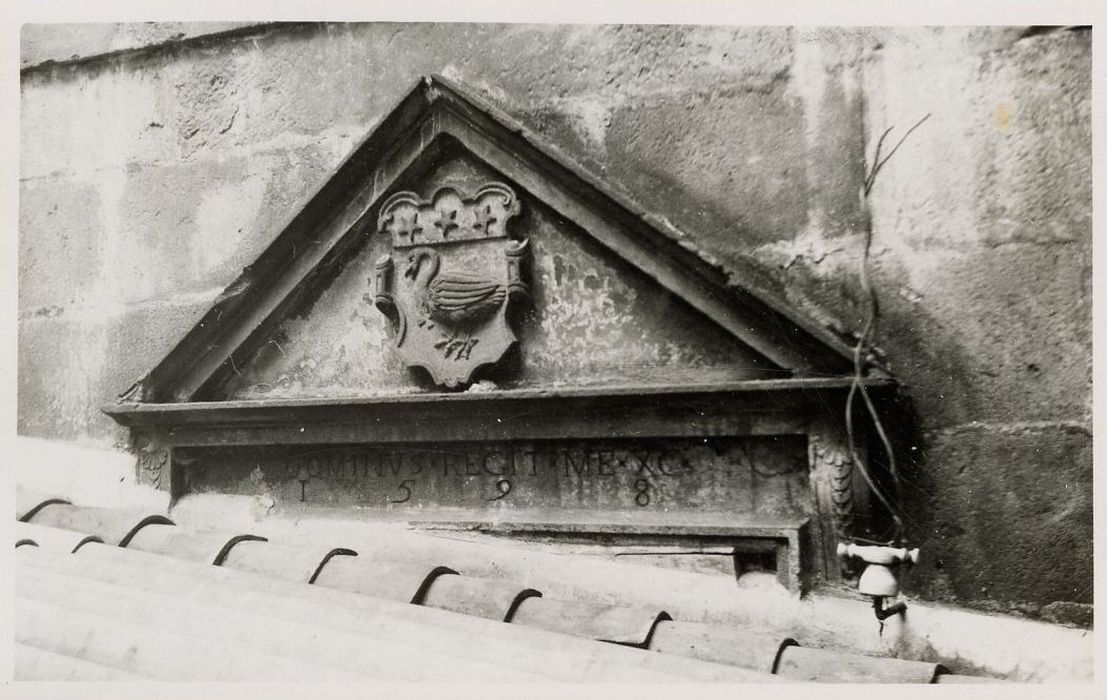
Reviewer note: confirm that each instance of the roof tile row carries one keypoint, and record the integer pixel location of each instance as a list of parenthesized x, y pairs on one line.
[(157, 573)]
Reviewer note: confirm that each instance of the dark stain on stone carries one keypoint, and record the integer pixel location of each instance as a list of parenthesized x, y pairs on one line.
[(559, 269)]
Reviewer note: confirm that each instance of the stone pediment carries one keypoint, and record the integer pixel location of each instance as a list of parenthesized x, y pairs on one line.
[(462, 324), (610, 295)]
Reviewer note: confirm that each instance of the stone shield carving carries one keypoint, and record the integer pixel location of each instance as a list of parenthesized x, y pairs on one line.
[(450, 279)]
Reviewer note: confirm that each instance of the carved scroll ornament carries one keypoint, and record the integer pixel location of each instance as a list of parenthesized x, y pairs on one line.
[(152, 468)]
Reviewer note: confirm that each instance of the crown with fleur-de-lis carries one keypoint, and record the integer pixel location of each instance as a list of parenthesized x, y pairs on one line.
[(447, 216)]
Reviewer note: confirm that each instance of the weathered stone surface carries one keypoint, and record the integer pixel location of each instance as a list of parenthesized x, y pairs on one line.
[(751, 138), (1065, 612), (40, 43), (59, 262), (72, 365), (1002, 335), (59, 361), (1002, 514), (91, 123), (1005, 155), (983, 262), (201, 234), (128, 223), (689, 149)]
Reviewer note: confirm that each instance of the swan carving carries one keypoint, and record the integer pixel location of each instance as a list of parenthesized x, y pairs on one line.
[(454, 297)]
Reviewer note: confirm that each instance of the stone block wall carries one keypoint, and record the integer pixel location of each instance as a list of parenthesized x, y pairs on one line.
[(157, 161)]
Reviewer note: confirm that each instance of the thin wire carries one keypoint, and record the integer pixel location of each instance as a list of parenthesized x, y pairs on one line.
[(890, 502), (878, 162), (856, 458)]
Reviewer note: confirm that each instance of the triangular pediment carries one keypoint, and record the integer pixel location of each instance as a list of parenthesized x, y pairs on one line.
[(602, 292)]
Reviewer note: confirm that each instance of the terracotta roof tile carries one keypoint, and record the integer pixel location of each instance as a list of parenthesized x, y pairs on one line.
[(110, 525), (54, 539), (334, 603), (491, 599), (382, 579), (105, 594), (206, 547)]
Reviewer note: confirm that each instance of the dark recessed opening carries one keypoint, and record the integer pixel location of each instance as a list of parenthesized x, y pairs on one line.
[(756, 560)]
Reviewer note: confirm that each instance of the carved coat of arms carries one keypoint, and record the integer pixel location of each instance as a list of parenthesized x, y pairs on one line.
[(449, 281)]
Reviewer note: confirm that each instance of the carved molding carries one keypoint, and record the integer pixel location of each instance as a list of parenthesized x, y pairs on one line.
[(763, 407), (832, 458), (152, 466), (841, 495)]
